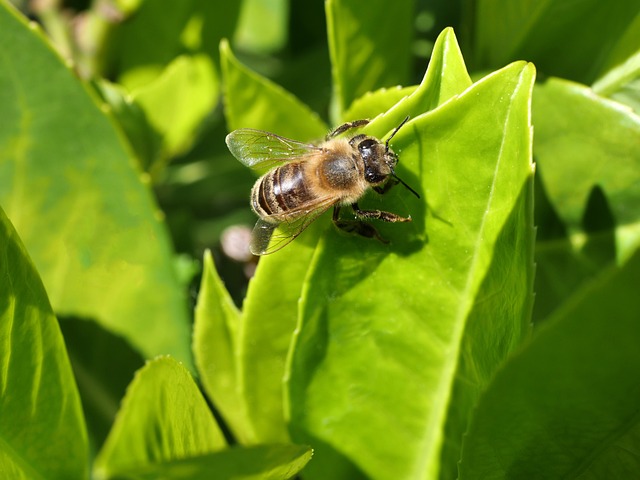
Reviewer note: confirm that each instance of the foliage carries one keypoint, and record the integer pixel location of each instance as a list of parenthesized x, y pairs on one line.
[(425, 358)]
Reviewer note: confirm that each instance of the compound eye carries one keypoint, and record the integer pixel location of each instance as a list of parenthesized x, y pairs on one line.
[(365, 147)]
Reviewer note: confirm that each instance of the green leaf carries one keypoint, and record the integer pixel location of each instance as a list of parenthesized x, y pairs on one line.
[(163, 418), (141, 47), (270, 315), (372, 103), (593, 142), (566, 406), (626, 46), (446, 77), (264, 462), (42, 429), (252, 101), (377, 354), (74, 194), (241, 357), (262, 26), (143, 139), (177, 101), (370, 47), (215, 348), (622, 83), (561, 41)]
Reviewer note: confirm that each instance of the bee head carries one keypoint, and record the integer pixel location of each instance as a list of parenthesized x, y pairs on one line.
[(378, 160)]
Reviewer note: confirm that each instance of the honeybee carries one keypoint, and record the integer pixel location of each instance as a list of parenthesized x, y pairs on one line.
[(305, 180)]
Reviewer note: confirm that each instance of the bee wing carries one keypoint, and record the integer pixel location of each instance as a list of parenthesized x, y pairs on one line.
[(264, 149), (270, 237)]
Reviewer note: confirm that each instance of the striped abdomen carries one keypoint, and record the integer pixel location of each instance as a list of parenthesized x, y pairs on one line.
[(281, 191)]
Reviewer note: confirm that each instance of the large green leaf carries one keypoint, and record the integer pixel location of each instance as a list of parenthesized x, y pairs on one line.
[(215, 348), (593, 142), (566, 406), (263, 462), (163, 417), (141, 47), (252, 101), (42, 430), (370, 47), (176, 103), (269, 317), (580, 42), (446, 77), (372, 103), (73, 192), (377, 353)]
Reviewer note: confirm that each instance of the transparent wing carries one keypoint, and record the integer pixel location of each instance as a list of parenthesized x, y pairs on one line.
[(264, 149), (269, 237)]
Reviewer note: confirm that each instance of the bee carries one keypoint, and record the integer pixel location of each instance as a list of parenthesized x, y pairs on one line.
[(305, 180)]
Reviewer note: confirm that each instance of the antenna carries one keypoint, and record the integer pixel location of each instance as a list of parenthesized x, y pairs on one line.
[(406, 186), (386, 144), (393, 174)]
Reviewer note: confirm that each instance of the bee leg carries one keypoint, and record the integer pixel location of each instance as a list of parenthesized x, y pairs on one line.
[(378, 215), (356, 226), (346, 126)]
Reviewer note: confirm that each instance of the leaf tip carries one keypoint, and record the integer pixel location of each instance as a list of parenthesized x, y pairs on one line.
[(225, 48)]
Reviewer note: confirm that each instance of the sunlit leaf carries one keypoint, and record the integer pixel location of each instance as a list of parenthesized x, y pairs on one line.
[(594, 142), (376, 353), (74, 194), (141, 47), (253, 101), (72, 190), (446, 77), (264, 462), (579, 41), (372, 103), (163, 417), (368, 49), (622, 83), (215, 345), (42, 428), (176, 103), (566, 406)]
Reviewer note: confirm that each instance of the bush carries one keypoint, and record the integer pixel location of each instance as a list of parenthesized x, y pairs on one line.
[(423, 358)]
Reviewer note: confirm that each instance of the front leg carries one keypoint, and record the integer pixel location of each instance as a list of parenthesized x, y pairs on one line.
[(346, 126), (356, 226), (385, 187), (378, 215)]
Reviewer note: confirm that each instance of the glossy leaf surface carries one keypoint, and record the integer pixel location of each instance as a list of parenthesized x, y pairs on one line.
[(567, 405), (73, 192), (377, 355), (42, 429), (163, 417), (367, 49)]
